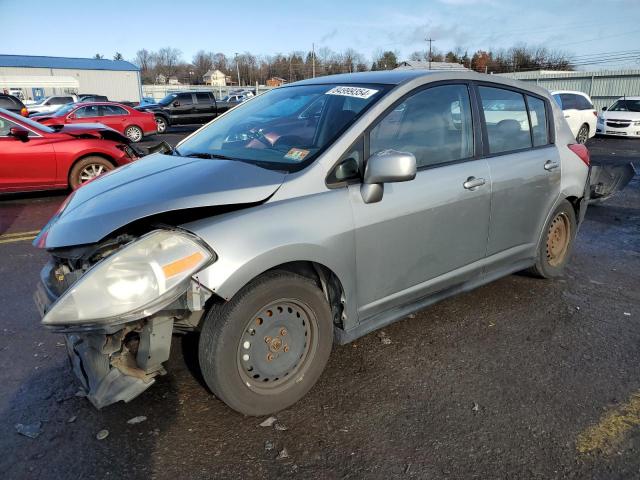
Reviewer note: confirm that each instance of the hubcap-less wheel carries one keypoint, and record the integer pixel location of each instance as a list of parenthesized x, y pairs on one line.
[(583, 134), (161, 125), (134, 134), (276, 346), (558, 238), (91, 171)]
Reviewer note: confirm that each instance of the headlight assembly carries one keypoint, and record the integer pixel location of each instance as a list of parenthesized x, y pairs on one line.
[(133, 283)]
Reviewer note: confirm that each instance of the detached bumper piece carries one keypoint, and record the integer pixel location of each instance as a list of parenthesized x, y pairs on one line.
[(607, 180), (120, 366)]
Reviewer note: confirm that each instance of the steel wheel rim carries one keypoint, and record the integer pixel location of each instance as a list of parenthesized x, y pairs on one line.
[(277, 346), (160, 125), (558, 239), (134, 134), (91, 171), (582, 135)]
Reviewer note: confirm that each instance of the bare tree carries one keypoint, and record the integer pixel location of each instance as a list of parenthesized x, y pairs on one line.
[(118, 56), (202, 63), (167, 61)]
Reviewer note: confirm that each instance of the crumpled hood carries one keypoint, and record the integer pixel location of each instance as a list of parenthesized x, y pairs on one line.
[(155, 184)]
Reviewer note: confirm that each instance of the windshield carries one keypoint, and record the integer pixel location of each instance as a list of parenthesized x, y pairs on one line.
[(62, 111), (29, 122), (168, 99), (285, 128), (626, 106)]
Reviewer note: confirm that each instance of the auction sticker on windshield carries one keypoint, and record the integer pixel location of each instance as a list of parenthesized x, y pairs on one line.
[(357, 92), (296, 154)]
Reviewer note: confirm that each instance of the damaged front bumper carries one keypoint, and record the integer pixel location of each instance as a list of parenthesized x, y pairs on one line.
[(121, 365), (118, 362)]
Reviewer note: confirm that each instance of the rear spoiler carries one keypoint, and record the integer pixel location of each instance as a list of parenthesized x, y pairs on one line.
[(606, 180)]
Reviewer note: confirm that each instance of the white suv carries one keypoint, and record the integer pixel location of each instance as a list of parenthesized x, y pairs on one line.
[(578, 112), (51, 104)]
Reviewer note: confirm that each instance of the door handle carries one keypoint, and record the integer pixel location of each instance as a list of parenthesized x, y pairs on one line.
[(549, 165), (472, 183), (567, 116)]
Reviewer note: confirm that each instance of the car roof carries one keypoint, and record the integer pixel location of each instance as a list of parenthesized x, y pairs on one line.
[(397, 77), (83, 104), (575, 92), (629, 98)]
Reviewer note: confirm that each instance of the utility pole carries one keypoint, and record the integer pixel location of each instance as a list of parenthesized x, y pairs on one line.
[(430, 40), (238, 69), (313, 59)]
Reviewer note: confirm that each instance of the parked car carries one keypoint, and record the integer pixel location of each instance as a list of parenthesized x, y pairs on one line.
[(51, 104), (126, 120), (274, 233), (13, 104), (37, 157), (90, 97), (578, 112), (185, 108), (621, 119)]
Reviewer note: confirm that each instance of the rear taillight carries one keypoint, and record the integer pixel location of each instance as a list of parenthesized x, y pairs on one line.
[(24, 112), (581, 151), (595, 114)]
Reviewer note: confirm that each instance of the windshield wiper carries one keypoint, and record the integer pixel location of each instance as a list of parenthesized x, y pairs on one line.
[(205, 155)]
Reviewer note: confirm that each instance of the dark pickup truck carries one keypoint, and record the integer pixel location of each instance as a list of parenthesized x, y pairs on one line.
[(186, 108)]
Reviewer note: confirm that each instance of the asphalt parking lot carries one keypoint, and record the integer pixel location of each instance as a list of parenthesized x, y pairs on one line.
[(522, 378)]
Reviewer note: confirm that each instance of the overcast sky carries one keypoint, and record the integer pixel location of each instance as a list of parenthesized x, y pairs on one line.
[(83, 28)]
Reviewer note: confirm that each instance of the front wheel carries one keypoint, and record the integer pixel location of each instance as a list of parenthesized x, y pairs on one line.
[(264, 349), (557, 242), (87, 169)]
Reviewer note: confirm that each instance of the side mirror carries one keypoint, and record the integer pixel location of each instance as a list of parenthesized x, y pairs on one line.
[(604, 108), (176, 104), (19, 133), (386, 166)]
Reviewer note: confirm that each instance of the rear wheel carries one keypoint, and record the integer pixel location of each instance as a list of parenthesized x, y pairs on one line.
[(555, 248), (161, 124), (583, 134), (87, 169), (134, 133), (263, 350)]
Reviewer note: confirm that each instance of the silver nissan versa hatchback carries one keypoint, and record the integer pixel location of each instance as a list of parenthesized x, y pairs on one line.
[(312, 214)]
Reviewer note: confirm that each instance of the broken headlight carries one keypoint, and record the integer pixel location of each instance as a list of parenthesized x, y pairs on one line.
[(134, 282)]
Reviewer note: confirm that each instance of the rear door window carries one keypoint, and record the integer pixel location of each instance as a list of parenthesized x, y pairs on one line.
[(112, 110), (9, 103), (203, 98), (569, 101), (88, 111), (506, 119), (539, 124)]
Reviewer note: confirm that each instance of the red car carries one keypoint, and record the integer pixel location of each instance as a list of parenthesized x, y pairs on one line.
[(37, 157), (132, 123)]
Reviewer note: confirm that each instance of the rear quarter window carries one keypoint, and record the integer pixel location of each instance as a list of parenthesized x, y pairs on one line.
[(9, 103)]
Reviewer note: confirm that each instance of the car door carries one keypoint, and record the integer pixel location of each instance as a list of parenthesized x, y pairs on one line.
[(182, 109), (86, 114), (525, 172), (429, 233), (114, 117), (571, 111), (27, 165), (204, 109)]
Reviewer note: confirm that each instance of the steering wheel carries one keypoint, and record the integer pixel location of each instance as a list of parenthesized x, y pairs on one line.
[(256, 134)]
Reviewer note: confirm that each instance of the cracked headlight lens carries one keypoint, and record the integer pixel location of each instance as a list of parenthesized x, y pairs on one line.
[(134, 282)]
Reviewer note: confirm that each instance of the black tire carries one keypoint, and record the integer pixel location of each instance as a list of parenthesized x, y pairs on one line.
[(80, 173), (161, 124), (230, 358), (553, 255), (134, 133), (583, 134)]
